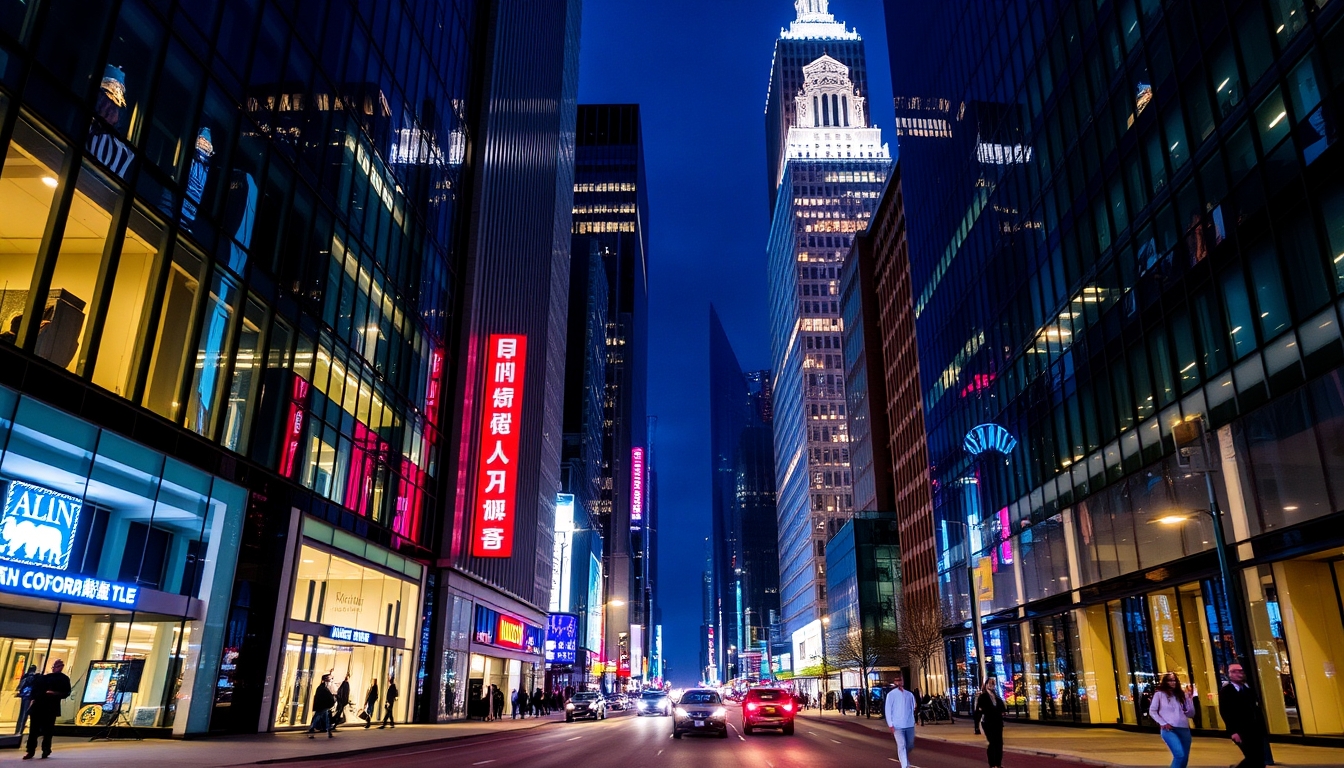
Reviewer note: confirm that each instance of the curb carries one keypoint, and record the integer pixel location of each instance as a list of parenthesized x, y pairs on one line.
[(385, 747), (858, 728)]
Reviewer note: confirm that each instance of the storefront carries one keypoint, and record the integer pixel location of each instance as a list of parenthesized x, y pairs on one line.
[(116, 560), (506, 653), (355, 615)]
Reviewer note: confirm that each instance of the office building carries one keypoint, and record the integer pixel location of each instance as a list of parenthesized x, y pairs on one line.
[(610, 224), (1125, 222), (833, 169), (863, 597), (489, 615), (742, 506), (228, 301)]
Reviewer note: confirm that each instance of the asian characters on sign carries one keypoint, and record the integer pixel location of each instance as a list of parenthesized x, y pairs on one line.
[(38, 526), (496, 484), (636, 485), (562, 638)]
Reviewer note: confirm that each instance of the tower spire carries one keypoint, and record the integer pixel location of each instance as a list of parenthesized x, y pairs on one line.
[(813, 10)]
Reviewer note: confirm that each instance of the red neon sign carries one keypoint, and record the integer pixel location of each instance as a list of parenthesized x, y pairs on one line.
[(636, 485), (497, 450), (509, 633)]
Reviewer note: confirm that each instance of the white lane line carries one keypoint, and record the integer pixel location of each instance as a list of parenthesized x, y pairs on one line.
[(660, 752), (576, 738), (811, 733), (837, 741), (483, 762)]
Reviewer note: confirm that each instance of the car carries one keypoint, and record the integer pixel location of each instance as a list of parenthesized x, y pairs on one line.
[(617, 702), (768, 708), (653, 702), (700, 710), (585, 705)]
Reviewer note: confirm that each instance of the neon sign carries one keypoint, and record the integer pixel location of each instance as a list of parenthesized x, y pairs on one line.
[(41, 582), (989, 437), (496, 481), (509, 633), (38, 525), (350, 635), (636, 485)]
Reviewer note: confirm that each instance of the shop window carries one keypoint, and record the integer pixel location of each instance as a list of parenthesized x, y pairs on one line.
[(76, 281), (212, 357), (177, 312), (118, 348), (1200, 649), (1274, 667), (28, 184)]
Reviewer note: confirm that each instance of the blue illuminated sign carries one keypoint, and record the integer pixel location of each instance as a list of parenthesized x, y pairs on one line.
[(43, 582), (350, 635), (37, 526), (989, 437), (562, 639)]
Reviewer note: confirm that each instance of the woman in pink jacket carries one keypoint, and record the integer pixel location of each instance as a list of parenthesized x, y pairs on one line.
[(1172, 709)]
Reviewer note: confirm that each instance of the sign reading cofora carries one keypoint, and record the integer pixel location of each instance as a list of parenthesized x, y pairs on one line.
[(40, 582), (38, 526)]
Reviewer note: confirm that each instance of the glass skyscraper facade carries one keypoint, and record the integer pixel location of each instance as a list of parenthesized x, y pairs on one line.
[(832, 169), (1125, 215), (611, 215), (742, 507)]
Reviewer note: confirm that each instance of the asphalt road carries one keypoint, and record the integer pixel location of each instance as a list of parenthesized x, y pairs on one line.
[(626, 741)]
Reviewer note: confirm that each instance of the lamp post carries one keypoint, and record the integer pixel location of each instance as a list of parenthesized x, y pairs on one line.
[(825, 675)]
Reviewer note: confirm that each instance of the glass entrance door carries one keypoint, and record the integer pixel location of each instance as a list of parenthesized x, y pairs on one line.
[(308, 658)]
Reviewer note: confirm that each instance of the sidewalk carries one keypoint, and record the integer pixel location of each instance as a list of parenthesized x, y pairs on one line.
[(263, 748), (1094, 746)]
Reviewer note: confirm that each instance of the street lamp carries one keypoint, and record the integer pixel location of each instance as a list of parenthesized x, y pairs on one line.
[(825, 675)]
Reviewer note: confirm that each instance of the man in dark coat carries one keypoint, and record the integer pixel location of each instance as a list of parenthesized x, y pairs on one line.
[(323, 701), (49, 691), (389, 704), (370, 702), (342, 701), (1245, 723)]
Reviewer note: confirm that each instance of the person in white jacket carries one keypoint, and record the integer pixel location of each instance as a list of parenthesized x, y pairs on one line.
[(900, 714), (1172, 709)]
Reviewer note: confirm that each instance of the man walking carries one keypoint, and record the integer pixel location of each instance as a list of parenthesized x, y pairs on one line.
[(26, 695), (370, 704), (323, 701), (49, 691), (900, 714), (342, 701), (389, 701), (1241, 712)]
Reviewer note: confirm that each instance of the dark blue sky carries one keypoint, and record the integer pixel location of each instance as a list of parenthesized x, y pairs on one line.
[(699, 70)]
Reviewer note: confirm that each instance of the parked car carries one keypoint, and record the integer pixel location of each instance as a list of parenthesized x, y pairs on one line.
[(586, 705)]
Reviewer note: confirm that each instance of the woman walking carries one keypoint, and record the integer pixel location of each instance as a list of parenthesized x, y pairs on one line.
[(988, 715), (1172, 709)]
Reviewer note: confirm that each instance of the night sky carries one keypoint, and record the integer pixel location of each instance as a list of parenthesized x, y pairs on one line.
[(699, 70)]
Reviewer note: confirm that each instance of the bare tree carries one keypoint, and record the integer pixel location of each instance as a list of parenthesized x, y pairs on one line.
[(921, 633), (865, 650)]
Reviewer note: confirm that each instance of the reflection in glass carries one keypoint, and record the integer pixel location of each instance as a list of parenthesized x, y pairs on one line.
[(136, 267), (177, 311), (75, 283), (27, 186)]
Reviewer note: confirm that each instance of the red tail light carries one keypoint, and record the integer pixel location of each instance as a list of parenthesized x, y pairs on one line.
[(752, 706), (788, 706)]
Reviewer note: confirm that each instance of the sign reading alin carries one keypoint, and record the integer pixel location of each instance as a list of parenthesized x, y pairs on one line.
[(38, 526)]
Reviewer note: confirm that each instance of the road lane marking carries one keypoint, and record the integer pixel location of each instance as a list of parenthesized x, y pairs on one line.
[(576, 738), (660, 752), (837, 741), (483, 762)]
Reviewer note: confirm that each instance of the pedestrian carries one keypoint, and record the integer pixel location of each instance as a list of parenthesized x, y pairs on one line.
[(323, 701), (1241, 712), (539, 703), (49, 691), (1172, 709), (26, 695), (988, 716), (900, 715), (499, 703), (389, 702), (342, 701), (513, 699), (370, 702)]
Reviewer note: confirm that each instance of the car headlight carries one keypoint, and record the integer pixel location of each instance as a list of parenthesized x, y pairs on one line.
[(680, 712), (721, 712), (569, 707)]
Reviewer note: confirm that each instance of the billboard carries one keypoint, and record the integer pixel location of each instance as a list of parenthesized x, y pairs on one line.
[(594, 640), (562, 639), (636, 486), (562, 553), (497, 452), (636, 650), (38, 526)]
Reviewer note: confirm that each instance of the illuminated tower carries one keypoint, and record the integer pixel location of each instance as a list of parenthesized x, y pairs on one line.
[(832, 166)]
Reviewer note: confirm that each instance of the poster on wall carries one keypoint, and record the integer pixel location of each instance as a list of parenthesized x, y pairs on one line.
[(497, 451)]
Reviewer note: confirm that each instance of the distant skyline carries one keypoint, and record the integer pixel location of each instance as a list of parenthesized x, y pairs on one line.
[(700, 71)]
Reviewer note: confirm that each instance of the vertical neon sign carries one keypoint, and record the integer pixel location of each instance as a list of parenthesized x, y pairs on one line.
[(636, 486), (497, 474)]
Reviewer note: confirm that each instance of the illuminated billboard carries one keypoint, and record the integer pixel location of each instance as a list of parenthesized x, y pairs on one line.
[(636, 486), (562, 639), (497, 473)]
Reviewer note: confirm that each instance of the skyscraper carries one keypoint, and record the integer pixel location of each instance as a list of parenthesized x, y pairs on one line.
[(1125, 225), (610, 215), (742, 505), (832, 169), (493, 591)]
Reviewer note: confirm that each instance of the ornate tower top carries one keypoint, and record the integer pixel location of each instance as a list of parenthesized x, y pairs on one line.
[(813, 10), (815, 21)]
